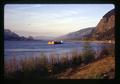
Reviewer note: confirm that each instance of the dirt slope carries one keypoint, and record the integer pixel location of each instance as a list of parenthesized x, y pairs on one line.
[(101, 69)]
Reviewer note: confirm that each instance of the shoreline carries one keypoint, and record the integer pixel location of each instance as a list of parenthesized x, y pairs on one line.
[(112, 42)]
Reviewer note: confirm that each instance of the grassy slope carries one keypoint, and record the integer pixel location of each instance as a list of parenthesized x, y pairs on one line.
[(103, 68)]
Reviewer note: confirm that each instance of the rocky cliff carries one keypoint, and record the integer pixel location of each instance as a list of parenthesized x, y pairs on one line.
[(105, 28), (103, 31)]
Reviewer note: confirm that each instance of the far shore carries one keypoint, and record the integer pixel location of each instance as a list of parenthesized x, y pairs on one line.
[(109, 41)]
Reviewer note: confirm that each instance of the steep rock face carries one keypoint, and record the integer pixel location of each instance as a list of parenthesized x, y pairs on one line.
[(103, 31), (105, 28)]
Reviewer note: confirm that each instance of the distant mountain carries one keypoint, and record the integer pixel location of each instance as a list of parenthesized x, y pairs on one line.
[(78, 35), (44, 37), (105, 28), (9, 35), (103, 31)]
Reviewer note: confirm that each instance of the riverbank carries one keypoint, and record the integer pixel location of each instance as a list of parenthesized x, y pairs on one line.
[(40, 67), (100, 69), (109, 41)]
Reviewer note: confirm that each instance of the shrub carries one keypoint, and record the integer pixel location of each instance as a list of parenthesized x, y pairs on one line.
[(88, 54), (76, 60), (111, 50), (39, 67), (64, 61), (104, 51), (43, 59), (107, 51)]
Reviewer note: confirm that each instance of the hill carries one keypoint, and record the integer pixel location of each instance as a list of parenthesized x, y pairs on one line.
[(105, 28), (78, 35), (103, 31), (9, 35)]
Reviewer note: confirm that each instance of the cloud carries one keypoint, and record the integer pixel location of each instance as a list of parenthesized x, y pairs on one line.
[(23, 6), (53, 18)]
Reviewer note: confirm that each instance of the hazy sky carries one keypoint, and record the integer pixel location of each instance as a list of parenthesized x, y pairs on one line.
[(52, 19)]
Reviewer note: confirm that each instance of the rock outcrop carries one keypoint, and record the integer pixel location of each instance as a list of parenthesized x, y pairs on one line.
[(105, 28), (103, 31)]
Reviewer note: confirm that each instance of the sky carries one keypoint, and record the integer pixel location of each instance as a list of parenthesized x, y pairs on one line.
[(52, 19)]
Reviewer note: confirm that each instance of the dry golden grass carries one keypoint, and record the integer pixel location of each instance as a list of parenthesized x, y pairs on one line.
[(62, 66), (96, 70)]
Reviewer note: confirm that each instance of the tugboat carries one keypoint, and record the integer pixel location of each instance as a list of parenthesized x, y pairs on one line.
[(55, 42)]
